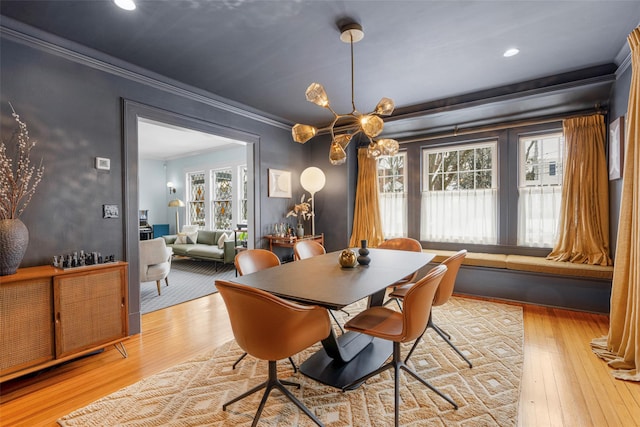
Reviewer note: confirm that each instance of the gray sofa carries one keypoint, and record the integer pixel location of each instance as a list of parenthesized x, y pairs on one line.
[(205, 248)]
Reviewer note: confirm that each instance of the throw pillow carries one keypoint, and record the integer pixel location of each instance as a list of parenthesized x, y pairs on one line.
[(192, 238), (181, 239), (224, 237)]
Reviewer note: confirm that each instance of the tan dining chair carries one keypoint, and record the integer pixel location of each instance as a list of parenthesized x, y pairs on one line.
[(445, 290), (401, 244), (304, 249), (400, 327), (251, 261), (271, 328)]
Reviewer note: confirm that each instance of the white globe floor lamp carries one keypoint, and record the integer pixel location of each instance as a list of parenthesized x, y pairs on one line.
[(312, 179)]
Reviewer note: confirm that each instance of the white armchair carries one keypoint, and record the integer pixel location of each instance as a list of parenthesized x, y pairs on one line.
[(155, 261)]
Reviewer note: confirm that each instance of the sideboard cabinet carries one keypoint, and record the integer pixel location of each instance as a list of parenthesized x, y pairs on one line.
[(50, 315)]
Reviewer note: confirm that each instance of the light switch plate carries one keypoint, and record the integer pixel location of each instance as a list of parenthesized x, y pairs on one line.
[(103, 163)]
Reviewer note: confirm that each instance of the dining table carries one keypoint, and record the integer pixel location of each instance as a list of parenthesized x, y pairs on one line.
[(320, 280)]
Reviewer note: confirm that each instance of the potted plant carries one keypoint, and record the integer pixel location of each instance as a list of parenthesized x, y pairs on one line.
[(18, 181)]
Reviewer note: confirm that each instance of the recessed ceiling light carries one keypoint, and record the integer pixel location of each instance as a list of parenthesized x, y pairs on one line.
[(125, 4), (511, 52)]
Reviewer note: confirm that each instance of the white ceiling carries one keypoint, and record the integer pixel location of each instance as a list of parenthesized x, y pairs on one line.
[(162, 141)]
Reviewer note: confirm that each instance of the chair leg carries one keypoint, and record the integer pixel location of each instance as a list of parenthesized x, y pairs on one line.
[(413, 347), (397, 364), (239, 360), (295, 368), (445, 336), (158, 285), (336, 320), (271, 383), (166, 280)]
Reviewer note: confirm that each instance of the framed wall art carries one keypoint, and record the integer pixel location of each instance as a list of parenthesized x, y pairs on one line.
[(616, 148), (279, 183), (110, 211)]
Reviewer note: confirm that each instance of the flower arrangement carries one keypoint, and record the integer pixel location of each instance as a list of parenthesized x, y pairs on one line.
[(302, 210), (18, 176)]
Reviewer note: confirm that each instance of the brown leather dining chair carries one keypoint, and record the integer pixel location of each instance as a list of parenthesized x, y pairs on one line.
[(271, 328), (401, 244), (304, 249), (445, 290), (250, 261), (309, 248), (401, 327)]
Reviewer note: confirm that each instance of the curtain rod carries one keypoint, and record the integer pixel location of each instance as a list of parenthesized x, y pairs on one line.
[(489, 128)]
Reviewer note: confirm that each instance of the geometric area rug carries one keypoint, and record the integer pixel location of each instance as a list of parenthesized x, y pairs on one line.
[(192, 393), (188, 279)]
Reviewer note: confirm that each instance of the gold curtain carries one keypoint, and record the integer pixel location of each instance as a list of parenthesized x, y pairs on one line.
[(366, 217), (621, 348), (584, 209)]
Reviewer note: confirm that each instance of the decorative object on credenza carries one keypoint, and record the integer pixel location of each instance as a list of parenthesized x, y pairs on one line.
[(347, 258), (81, 259), (18, 181), (363, 258), (302, 211)]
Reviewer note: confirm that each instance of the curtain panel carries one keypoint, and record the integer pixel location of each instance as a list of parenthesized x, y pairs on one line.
[(584, 211), (621, 347), (366, 217)]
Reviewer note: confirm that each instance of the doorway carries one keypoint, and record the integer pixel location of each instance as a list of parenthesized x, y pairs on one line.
[(136, 115)]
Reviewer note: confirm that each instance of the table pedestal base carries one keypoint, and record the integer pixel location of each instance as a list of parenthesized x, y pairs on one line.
[(329, 371)]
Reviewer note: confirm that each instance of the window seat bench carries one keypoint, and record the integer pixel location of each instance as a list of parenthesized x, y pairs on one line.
[(532, 279)]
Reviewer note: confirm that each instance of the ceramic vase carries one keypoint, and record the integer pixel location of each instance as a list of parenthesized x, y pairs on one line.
[(14, 239), (300, 231), (363, 258)]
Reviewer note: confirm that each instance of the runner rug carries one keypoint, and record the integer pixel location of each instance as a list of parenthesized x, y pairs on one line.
[(192, 393)]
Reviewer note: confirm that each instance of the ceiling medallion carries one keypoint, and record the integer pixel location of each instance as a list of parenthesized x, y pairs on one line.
[(353, 123)]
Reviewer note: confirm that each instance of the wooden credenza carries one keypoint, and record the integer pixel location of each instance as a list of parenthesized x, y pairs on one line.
[(49, 315)]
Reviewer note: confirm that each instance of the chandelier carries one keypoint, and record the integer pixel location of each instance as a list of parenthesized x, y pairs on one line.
[(351, 124)]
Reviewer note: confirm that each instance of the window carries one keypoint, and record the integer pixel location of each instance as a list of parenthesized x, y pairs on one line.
[(242, 196), (392, 190), (540, 167), (196, 202), (459, 194), (222, 199)]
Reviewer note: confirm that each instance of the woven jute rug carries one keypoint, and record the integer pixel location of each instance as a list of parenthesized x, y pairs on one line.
[(192, 393)]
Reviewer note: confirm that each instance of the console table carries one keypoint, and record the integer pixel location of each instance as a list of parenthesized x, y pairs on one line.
[(288, 242), (50, 315)]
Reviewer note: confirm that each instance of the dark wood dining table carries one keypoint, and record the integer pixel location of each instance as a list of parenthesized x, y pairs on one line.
[(322, 281)]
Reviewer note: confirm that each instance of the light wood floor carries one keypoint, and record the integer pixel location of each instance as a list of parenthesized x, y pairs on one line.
[(563, 384)]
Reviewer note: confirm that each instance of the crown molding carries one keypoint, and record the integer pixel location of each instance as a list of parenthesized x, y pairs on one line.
[(30, 36)]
